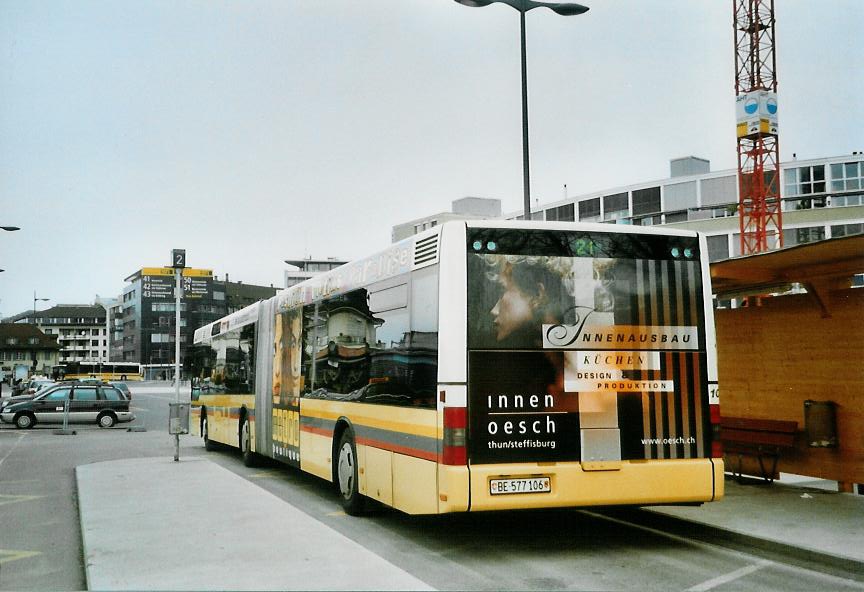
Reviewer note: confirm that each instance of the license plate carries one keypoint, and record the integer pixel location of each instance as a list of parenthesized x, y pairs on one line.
[(531, 485)]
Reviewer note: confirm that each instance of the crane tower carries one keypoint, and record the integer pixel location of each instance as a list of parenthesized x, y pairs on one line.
[(759, 208)]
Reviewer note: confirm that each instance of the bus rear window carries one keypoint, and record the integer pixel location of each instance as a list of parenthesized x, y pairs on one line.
[(521, 284)]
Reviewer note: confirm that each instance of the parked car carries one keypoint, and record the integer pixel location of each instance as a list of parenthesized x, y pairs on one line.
[(30, 387), (101, 403), (36, 385), (14, 399), (26, 391), (123, 387)]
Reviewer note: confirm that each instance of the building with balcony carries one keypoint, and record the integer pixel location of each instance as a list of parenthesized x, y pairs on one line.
[(80, 329)]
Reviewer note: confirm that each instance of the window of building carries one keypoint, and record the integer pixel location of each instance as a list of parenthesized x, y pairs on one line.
[(94, 342), (673, 217), (847, 176), (565, 213), (166, 307), (718, 247), (33, 340), (616, 206), (800, 236), (589, 210), (838, 201), (646, 201), (804, 180), (648, 221), (805, 204), (216, 296), (846, 230), (726, 211), (11, 340)]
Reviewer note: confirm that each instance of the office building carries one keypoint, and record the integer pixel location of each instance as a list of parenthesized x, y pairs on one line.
[(303, 269), (822, 198), (148, 319)]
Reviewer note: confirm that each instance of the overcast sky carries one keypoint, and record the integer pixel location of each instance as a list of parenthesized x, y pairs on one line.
[(250, 132)]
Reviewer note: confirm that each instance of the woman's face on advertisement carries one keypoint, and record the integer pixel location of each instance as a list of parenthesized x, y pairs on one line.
[(513, 310)]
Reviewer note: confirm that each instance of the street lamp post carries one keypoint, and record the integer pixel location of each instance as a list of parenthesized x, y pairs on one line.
[(523, 6), (34, 304)]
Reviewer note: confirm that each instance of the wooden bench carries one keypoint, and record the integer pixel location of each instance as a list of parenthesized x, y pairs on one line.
[(762, 438)]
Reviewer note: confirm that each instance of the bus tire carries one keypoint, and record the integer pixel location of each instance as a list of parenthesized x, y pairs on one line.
[(346, 475), (209, 445), (249, 457)]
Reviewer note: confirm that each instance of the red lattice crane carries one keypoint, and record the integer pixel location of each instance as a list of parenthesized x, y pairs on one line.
[(759, 207)]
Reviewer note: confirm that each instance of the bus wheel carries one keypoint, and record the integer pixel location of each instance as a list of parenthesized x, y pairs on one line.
[(209, 444), (246, 445), (346, 473)]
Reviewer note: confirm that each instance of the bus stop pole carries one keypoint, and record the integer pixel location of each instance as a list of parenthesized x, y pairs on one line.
[(178, 272)]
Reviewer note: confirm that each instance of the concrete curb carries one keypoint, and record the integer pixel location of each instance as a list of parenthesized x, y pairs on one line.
[(84, 553)]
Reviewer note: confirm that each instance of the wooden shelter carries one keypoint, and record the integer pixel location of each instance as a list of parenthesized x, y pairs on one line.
[(781, 351)]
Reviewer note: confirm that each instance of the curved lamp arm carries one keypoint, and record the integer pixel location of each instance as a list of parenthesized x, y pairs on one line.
[(562, 8)]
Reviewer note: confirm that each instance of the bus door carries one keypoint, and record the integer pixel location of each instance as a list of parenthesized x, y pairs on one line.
[(281, 405)]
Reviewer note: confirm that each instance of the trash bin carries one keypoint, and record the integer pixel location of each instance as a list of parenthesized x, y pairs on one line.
[(820, 423)]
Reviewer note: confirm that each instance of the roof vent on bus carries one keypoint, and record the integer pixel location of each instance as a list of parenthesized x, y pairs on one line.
[(426, 250)]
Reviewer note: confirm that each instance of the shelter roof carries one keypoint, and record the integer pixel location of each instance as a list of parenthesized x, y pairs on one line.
[(820, 267)]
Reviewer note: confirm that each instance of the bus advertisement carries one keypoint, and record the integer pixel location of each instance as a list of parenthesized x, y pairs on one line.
[(482, 366)]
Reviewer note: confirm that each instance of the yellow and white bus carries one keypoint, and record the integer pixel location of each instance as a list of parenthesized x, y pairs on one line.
[(73, 370), (482, 365)]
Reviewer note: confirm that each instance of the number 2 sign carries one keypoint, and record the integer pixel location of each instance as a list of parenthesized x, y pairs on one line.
[(178, 258)]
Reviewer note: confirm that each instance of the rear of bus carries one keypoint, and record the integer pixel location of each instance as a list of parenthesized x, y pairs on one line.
[(589, 372)]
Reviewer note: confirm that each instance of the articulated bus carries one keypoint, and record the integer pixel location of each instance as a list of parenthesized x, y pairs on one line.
[(103, 370), (482, 366)]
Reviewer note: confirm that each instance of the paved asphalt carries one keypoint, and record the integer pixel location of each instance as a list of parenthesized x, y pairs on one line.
[(291, 534)]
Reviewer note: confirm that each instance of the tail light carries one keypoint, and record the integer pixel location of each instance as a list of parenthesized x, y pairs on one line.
[(454, 450), (716, 435)]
